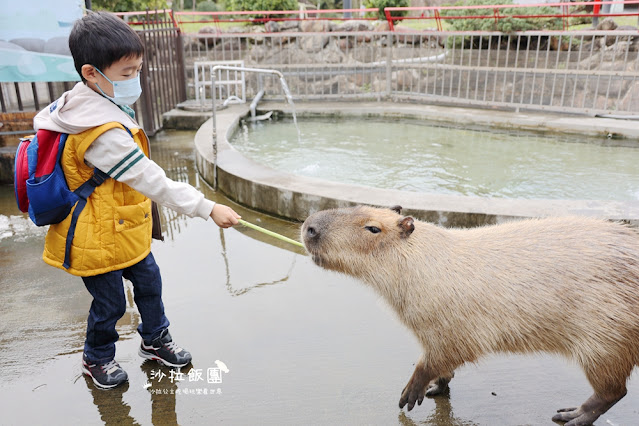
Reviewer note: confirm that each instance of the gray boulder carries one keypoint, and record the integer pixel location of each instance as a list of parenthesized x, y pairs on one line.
[(354, 26)]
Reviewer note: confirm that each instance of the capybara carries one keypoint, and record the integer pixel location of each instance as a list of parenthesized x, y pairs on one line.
[(565, 285)]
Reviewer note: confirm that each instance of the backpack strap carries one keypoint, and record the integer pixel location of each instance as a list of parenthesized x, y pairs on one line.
[(84, 191)]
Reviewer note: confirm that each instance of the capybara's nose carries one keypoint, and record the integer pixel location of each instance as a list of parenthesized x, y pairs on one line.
[(311, 232)]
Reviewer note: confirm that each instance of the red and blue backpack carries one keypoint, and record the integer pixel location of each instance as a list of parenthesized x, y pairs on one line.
[(41, 187)]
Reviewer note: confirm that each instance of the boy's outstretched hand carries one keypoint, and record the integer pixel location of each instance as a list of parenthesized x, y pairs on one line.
[(224, 216)]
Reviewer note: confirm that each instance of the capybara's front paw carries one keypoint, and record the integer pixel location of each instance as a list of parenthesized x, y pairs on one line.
[(414, 391), (589, 411), (566, 414), (575, 417)]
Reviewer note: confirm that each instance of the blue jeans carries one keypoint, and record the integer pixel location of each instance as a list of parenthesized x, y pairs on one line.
[(109, 305)]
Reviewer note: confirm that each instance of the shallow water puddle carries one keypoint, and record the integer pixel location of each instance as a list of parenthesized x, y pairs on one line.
[(300, 345)]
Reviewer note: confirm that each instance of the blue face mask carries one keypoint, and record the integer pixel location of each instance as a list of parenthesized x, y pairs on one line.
[(125, 92)]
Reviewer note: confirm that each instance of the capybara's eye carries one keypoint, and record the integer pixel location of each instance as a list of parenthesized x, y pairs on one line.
[(373, 229)]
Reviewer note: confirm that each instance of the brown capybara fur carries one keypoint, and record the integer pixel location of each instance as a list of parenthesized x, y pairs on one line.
[(568, 286)]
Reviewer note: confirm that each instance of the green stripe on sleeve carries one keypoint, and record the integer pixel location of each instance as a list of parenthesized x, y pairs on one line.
[(124, 160), (131, 164)]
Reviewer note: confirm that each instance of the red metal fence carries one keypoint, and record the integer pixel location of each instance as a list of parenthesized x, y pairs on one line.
[(261, 17), (565, 10), (502, 11)]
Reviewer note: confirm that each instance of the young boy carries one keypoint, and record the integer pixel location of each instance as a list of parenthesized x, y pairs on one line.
[(112, 238)]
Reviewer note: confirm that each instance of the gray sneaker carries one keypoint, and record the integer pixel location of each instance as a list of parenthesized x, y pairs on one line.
[(163, 349), (104, 376)]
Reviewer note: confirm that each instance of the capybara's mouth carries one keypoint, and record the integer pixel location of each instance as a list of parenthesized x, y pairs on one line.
[(320, 260), (317, 259)]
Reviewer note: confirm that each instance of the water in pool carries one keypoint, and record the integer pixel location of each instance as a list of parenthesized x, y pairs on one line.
[(421, 157)]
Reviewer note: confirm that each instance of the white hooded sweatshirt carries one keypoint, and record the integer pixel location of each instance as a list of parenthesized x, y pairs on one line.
[(115, 153)]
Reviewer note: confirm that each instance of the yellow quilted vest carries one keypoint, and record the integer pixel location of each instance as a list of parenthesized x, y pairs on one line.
[(114, 229)]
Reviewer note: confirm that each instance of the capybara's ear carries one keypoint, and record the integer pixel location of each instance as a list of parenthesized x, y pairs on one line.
[(407, 226), (397, 209)]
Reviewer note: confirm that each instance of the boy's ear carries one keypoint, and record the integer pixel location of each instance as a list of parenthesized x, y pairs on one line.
[(89, 73)]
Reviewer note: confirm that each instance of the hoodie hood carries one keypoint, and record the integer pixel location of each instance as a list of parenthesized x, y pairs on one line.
[(78, 110)]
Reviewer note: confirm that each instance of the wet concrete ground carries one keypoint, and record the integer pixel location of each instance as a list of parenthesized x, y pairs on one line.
[(301, 345)]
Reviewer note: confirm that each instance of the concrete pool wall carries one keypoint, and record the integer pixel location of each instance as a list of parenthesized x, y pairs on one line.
[(294, 197)]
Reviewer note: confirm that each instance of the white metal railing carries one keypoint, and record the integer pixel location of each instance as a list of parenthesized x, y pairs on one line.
[(230, 82), (584, 72)]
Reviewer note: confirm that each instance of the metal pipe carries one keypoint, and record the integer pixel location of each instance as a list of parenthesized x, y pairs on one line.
[(258, 70), (253, 106), (214, 131), (232, 98), (618, 117), (432, 58), (258, 97)]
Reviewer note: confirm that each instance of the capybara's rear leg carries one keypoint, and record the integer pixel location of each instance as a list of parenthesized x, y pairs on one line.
[(589, 411), (417, 386), (609, 388), (439, 385)]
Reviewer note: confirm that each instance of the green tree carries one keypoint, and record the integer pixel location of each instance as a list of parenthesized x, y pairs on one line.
[(127, 5), (201, 5), (262, 5), (507, 24), (329, 4), (208, 6), (381, 4)]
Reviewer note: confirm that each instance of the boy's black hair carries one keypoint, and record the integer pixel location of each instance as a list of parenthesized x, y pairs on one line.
[(101, 39)]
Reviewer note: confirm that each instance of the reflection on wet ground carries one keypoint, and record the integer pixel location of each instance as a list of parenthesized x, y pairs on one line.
[(275, 339)]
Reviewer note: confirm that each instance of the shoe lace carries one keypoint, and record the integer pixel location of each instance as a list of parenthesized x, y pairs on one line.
[(110, 367), (173, 347)]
